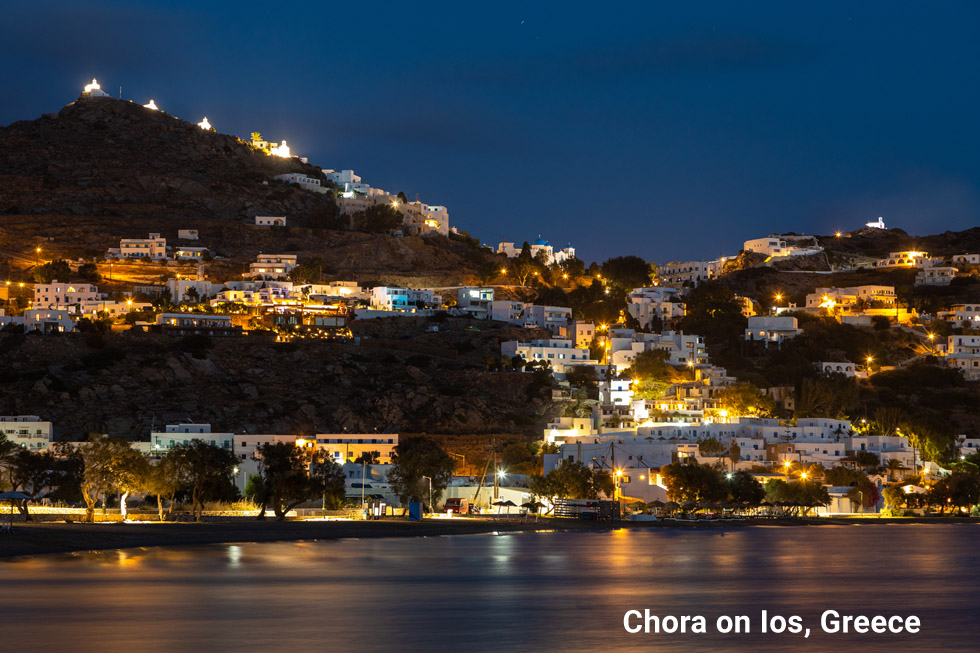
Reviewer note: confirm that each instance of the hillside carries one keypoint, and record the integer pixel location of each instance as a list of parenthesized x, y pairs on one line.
[(103, 169), (401, 378)]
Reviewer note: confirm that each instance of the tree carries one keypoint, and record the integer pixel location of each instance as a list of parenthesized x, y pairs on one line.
[(203, 468), (308, 271), (734, 452), (29, 473), (65, 481), (292, 475), (693, 482), (743, 399), (328, 478), (651, 364), (378, 218), (743, 488), (959, 489), (52, 271), (627, 272), (573, 480), (710, 446), (164, 481), (417, 457), (894, 496), (89, 272), (131, 473), (104, 458)]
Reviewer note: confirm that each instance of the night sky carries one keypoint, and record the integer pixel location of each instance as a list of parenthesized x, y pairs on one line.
[(669, 132)]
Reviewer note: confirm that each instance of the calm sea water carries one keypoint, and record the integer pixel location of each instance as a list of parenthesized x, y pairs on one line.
[(514, 592)]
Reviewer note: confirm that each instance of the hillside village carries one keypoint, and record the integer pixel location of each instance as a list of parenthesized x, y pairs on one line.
[(851, 358)]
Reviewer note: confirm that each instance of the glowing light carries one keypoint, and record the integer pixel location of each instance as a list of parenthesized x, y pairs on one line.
[(729, 476), (501, 474), (394, 204), (837, 234), (205, 125), (619, 473), (280, 150), (803, 476), (151, 105), (300, 442), (503, 270), (94, 86)]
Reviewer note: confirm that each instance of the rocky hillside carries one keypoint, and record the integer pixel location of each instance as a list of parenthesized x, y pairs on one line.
[(114, 158), (401, 378), (103, 169)]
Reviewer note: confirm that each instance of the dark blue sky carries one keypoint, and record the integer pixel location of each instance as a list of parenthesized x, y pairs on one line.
[(662, 131)]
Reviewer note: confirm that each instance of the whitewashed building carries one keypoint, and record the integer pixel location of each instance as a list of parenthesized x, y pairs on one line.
[(65, 295), (559, 353), (154, 247), (270, 220), (661, 303), (174, 434), (772, 329), (28, 431)]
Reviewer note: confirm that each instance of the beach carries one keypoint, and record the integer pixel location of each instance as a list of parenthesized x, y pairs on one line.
[(36, 538)]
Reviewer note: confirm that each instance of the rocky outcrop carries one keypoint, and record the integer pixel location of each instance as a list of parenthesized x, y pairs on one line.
[(411, 381)]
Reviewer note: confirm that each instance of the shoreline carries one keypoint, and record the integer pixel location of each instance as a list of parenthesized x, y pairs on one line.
[(44, 538)]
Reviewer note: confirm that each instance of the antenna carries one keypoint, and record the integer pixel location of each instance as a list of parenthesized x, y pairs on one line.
[(120, 92)]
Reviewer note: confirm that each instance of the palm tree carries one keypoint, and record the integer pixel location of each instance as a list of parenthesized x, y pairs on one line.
[(894, 465)]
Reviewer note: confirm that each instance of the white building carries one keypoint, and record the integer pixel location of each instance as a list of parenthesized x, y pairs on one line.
[(772, 329), (540, 245), (93, 90), (939, 275), (553, 318), (776, 246), (829, 367), (180, 289), (27, 431), (184, 253), (505, 310), (65, 295), (306, 183), (475, 301), (49, 320), (424, 218), (270, 220), (558, 352), (154, 247), (963, 353), (877, 224), (582, 332), (967, 259), (661, 303), (273, 266), (174, 434), (691, 273), (393, 298), (625, 345), (963, 315), (909, 259), (846, 298)]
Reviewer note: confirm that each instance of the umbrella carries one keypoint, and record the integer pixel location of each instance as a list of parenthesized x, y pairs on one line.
[(11, 498), (532, 505), (508, 503)]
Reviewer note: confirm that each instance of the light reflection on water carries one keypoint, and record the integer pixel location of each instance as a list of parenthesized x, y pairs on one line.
[(516, 592)]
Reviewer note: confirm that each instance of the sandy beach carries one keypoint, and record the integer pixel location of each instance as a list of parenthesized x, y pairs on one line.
[(58, 537)]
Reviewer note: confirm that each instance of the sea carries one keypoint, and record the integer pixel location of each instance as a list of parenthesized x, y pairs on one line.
[(758, 588)]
